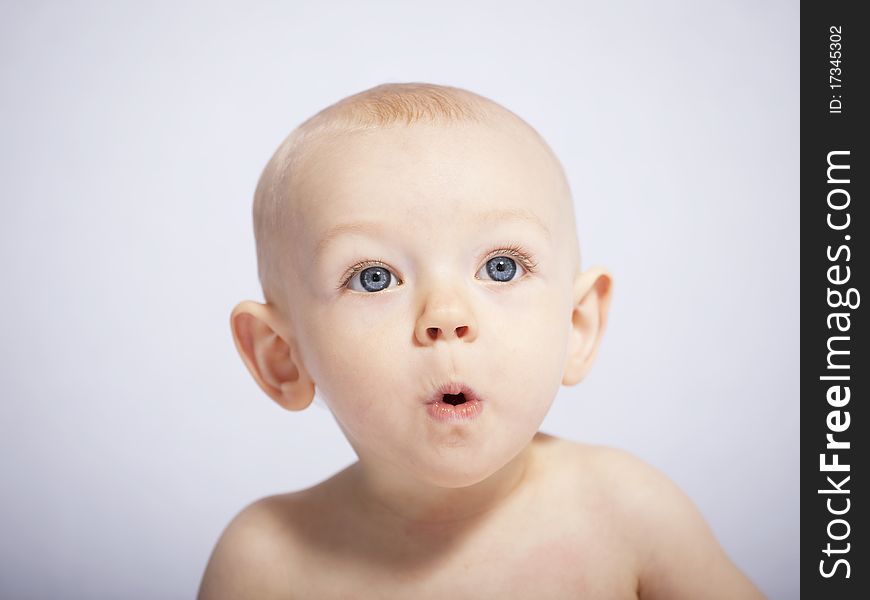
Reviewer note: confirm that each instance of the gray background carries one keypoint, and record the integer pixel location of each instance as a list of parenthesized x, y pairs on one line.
[(133, 136)]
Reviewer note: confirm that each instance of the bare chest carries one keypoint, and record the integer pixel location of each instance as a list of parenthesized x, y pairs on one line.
[(572, 561)]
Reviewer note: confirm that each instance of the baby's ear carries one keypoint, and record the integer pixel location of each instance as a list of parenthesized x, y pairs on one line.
[(591, 302), (274, 364)]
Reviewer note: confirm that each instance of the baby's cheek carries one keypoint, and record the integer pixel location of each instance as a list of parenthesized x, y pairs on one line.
[(528, 352), (356, 355), (530, 326)]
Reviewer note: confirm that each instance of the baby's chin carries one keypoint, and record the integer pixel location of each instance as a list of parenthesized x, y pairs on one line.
[(455, 469)]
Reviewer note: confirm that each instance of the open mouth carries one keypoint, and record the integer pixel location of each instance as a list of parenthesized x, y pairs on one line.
[(453, 399), (454, 403), (453, 394)]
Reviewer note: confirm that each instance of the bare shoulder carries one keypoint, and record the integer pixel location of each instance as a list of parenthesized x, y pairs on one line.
[(255, 553), (679, 555)]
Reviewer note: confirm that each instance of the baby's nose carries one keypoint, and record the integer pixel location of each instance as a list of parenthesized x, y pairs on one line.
[(448, 322)]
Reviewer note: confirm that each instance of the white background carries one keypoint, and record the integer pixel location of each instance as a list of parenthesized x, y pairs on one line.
[(132, 139)]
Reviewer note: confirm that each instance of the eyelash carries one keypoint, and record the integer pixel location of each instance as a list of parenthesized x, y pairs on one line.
[(515, 251)]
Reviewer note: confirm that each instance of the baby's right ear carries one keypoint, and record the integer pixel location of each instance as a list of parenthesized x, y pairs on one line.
[(274, 363)]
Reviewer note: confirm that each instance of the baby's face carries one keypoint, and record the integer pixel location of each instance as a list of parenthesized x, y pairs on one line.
[(399, 284)]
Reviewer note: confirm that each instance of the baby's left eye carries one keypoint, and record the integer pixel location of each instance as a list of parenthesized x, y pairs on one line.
[(500, 268)]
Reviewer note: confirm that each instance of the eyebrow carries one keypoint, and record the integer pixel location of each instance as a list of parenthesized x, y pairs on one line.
[(498, 214)]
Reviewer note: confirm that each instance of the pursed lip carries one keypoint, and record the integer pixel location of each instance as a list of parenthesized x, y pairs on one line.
[(453, 387)]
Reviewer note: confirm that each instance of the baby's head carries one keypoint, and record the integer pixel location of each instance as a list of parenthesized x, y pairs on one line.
[(410, 237)]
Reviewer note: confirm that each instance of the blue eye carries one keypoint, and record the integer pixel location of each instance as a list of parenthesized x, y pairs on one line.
[(500, 268), (371, 279)]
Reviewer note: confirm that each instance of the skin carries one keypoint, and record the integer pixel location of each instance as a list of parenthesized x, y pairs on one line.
[(431, 498)]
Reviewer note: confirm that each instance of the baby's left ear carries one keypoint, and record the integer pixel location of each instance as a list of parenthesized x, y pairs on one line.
[(591, 301)]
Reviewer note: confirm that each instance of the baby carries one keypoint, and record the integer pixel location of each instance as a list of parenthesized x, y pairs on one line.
[(419, 259)]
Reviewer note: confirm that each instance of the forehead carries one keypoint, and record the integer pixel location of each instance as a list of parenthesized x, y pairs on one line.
[(425, 175)]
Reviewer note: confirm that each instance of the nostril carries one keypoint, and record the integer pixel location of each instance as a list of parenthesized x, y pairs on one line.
[(434, 332)]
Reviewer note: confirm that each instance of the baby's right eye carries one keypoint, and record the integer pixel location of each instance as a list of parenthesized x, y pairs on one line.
[(371, 279)]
